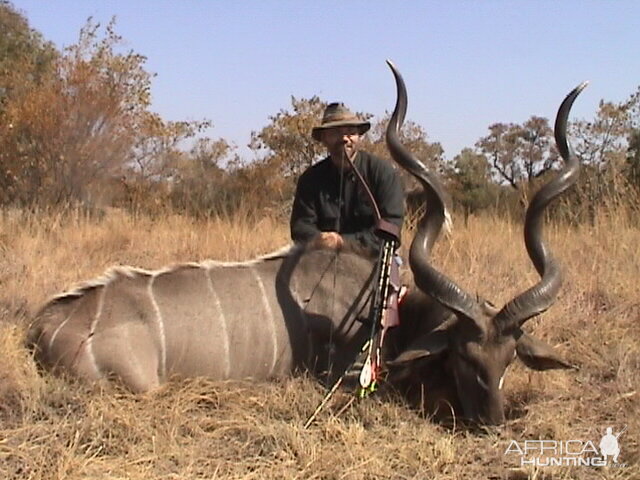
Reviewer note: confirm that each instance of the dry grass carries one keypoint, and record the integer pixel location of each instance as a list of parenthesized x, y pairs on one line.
[(59, 428)]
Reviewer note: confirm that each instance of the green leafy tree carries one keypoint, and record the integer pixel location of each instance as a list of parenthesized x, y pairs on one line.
[(470, 182), (25, 57), (520, 153)]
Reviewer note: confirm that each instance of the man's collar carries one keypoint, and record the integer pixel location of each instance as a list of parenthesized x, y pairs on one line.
[(356, 157)]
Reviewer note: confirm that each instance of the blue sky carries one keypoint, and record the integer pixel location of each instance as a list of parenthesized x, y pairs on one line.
[(467, 64)]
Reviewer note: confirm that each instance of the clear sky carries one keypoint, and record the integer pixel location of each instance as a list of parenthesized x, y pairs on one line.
[(467, 64)]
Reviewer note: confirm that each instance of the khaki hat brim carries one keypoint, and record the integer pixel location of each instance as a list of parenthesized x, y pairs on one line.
[(363, 127)]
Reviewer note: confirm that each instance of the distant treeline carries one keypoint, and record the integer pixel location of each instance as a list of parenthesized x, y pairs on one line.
[(76, 129)]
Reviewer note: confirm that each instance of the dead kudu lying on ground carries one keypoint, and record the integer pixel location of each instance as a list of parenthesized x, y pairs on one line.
[(293, 309)]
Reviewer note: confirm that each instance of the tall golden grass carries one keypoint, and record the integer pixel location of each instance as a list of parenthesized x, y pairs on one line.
[(55, 428)]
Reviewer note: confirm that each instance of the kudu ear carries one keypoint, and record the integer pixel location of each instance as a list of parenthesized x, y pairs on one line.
[(432, 343), (538, 355)]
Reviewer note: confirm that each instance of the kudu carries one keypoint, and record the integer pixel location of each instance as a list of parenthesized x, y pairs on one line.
[(292, 309)]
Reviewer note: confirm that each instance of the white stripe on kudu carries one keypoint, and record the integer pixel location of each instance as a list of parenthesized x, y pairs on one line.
[(269, 312), (92, 330), (62, 324), (161, 332), (224, 331)]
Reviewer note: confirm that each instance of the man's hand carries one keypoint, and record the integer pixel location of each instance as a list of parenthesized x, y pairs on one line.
[(331, 240)]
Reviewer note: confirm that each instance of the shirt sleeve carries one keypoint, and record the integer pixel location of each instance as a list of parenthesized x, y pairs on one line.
[(303, 222)]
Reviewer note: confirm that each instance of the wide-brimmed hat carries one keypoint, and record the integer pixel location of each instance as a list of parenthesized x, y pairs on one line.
[(337, 115)]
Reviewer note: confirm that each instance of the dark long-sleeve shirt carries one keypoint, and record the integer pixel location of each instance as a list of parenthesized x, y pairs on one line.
[(316, 203)]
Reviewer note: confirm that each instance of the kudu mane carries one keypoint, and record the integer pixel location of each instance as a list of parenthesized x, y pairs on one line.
[(128, 271)]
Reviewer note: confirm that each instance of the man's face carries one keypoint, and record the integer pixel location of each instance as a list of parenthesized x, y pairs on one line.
[(339, 140)]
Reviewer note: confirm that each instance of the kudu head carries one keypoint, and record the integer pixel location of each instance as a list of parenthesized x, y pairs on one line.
[(480, 340)]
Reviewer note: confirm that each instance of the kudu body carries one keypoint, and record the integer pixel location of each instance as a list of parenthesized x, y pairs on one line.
[(260, 319), (268, 317)]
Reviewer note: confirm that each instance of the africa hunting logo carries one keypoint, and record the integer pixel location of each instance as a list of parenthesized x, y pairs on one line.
[(578, 453)]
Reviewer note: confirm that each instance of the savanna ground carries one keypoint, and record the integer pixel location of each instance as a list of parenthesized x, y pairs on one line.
[(57, 428)]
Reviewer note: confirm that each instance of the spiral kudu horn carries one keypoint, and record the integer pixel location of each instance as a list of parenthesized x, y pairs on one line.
[(541, 296), (427, 278)]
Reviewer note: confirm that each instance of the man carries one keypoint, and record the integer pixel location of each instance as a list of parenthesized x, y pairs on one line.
[(331, 208)]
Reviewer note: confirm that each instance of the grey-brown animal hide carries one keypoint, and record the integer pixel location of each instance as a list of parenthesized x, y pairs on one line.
[(259, 319)]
